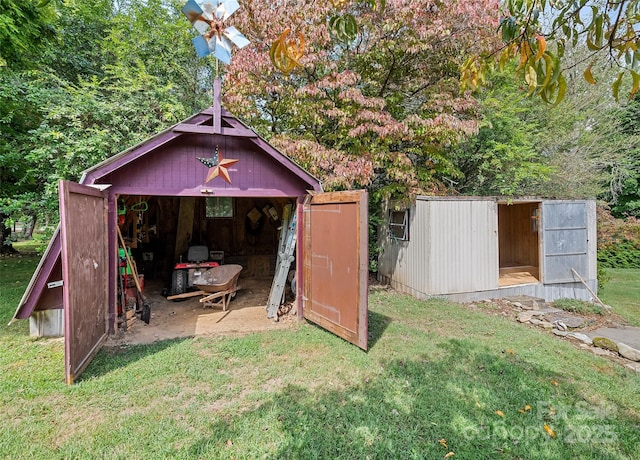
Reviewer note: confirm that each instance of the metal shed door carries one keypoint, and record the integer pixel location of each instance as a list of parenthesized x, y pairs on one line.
[(83, 231), (564, 240), (336, 264)]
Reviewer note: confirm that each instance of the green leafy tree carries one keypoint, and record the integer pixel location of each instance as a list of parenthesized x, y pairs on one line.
[(503, 158), (107, 78), (536, 33), (623, 193), (25, 28)]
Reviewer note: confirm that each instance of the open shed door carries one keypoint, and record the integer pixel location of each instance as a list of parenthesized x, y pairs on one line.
[(85, 273), (565, 240), (336, 264)]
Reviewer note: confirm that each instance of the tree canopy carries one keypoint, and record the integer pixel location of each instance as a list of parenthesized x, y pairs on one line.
[(363, 94), (377, 111), (536, 34)]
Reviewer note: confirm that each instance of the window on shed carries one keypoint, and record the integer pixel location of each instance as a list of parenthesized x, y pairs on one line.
[(399, 225), (219, 206)]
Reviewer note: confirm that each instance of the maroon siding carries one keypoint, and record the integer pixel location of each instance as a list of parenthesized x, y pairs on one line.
[(174, 170), (37, 295)]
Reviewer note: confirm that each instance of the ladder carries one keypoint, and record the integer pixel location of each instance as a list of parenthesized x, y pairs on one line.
[(286, 247)]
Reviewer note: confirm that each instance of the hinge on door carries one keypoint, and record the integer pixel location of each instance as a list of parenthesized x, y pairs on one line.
[(55, 284)]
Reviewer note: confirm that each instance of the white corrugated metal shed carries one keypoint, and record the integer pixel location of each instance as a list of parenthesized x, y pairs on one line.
[(470, 248)]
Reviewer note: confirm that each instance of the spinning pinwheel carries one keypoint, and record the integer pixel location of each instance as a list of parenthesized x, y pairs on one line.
[(208, 18), (217, 166)]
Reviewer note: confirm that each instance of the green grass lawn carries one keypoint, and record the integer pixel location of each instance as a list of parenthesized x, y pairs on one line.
[(622, 292), (439, 378)]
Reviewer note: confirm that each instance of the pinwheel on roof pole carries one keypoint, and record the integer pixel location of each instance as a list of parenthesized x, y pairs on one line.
[(208, 18), (216, 38)]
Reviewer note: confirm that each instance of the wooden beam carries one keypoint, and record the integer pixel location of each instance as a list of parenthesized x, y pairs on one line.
[(595, 297), (206, 129), (185, 225), (185, 295), (217, 106)]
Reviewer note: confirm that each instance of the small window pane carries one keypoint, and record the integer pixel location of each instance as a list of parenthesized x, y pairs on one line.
[(219, 206), (399, 225)]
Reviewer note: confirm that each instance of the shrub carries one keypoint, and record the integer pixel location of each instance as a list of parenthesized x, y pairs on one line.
[(618, 241), (578, 306)]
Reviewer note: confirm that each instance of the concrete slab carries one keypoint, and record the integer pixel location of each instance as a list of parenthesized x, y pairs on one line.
[(627, 334)]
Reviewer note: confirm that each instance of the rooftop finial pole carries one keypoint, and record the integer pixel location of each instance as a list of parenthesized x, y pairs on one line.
[(217, 107)]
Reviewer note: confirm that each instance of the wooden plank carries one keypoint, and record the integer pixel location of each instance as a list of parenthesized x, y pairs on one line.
[(185, 225), (596, 298), (207, 129), (186, 295), (350, 196)]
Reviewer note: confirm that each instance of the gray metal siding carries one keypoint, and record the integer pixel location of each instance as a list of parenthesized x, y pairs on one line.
[(464, 246), (453, 247), (565, 241), (453, 251)]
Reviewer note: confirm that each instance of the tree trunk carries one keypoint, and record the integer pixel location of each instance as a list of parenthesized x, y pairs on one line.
[(6, 247), (30, 226)]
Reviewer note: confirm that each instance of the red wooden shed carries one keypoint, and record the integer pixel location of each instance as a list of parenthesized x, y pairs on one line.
[(158, 194)]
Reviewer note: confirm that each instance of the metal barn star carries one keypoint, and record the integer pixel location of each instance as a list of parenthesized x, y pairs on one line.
[(208, 17), (217, 166)]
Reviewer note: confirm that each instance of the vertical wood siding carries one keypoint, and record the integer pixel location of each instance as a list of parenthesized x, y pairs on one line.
[(174, 170)]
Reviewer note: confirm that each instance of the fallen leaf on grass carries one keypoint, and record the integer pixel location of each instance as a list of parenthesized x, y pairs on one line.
[(554, 382), (500, 413), (229, 442), (524, 409), (450, 454), (443, 442), (549, 431)]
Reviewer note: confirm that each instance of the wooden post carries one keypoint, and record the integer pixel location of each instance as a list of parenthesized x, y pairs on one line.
[(606, 307), (185, 225)]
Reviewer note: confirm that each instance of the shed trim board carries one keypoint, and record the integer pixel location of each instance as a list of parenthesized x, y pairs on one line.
[(169, 164), (474, 248)]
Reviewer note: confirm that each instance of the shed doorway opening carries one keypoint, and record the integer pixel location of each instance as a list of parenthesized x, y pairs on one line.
[(519, 243), (163, 234)]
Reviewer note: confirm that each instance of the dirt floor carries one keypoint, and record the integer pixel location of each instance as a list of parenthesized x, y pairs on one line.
[(187, 318)]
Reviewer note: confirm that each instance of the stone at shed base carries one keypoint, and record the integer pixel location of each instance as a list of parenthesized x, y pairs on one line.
[(605, 344), (526, 302), (570, 321), (628, 352), (560, 333), (525, 316)]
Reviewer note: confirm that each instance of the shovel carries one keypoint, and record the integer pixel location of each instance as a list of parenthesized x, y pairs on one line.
[(146, 308)]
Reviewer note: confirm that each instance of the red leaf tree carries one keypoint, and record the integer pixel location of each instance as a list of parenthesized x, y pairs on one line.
[(380, 111)]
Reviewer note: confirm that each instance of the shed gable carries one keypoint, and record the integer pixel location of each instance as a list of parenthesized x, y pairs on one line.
[(173, 169)]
